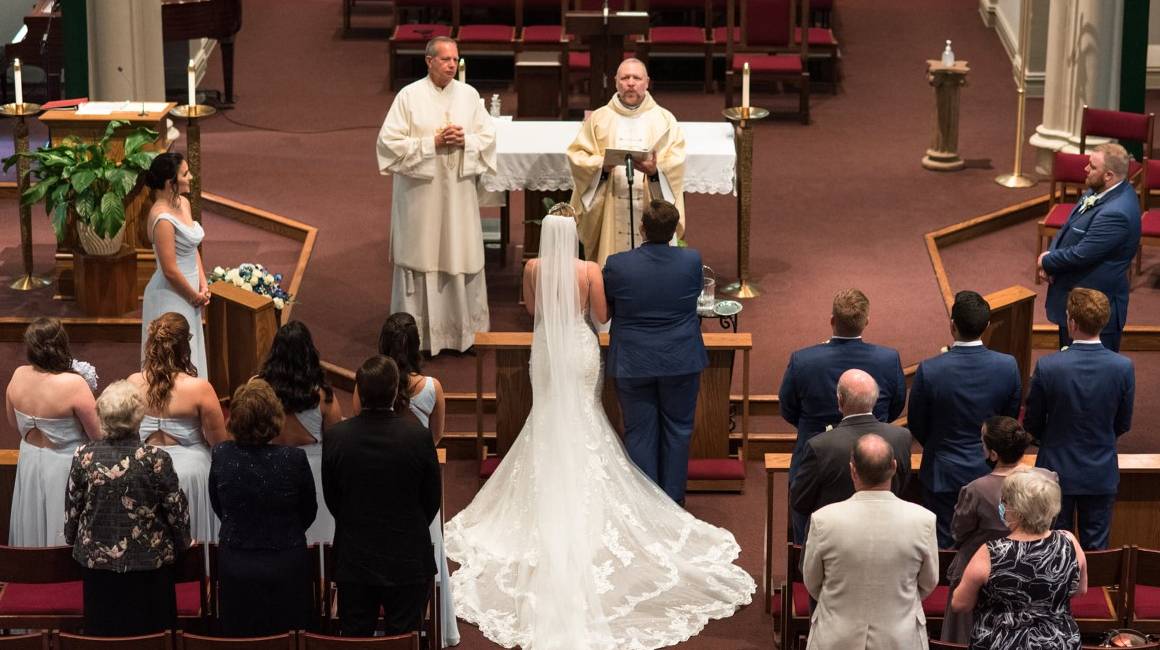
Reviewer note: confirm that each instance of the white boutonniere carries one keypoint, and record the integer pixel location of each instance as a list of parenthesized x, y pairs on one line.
[(1087, 202)]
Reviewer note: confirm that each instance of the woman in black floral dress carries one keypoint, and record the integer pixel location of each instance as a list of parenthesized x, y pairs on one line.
[(1021, 586), (127, 520)]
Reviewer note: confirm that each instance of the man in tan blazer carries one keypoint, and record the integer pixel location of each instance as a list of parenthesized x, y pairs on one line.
[(870, 560)]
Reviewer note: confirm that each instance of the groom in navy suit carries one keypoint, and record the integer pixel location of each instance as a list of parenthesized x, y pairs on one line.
[(1094, 249), (656, 352)]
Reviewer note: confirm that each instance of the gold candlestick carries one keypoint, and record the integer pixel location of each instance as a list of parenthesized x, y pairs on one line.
[(744, 117), (192, 114), (1017, 178), (28, 281)]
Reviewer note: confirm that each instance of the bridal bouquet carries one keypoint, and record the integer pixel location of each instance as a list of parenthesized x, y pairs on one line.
[(250, 276)]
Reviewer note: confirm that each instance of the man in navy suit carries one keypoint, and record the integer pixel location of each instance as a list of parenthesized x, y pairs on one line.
[(1079, 404), (952, 395), (808, 397), (1095, 247), (656, 352)]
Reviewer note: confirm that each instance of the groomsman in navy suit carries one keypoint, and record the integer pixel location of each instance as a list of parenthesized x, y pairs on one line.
[(1095, 247), (656, 352), (808, 395), (1080, 403), (952, 395)]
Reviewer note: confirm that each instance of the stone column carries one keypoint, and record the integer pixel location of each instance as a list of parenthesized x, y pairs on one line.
[(126, 57), (1083, 67)]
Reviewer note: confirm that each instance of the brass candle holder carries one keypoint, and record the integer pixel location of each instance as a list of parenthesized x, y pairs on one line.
[(193, 113), (29, 280), (743, 117)]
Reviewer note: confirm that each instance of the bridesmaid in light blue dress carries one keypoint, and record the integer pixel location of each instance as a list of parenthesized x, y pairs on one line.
[(178, 285)]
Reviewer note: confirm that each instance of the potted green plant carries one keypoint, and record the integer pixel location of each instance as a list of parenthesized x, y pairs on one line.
[(78, 179)]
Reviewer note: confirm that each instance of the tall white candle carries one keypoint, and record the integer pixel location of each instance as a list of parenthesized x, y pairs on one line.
[(745, 86), (192, 83), (462, 71), (18, 82)]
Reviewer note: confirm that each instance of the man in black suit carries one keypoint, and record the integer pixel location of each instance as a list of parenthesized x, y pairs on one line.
[(824, 475), (380, 478)]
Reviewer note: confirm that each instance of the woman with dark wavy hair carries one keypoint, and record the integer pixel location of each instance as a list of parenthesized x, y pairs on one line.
[(294, 372), (178, 284), (182, 415), (54, 410), (399, 341)]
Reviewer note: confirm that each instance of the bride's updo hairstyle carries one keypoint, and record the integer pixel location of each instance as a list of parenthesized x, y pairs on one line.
[(164, 171), (562, 210), (166, 355)]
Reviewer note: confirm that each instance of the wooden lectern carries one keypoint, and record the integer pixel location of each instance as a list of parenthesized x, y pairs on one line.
[(604, 35), (240, 327), (91, 128)]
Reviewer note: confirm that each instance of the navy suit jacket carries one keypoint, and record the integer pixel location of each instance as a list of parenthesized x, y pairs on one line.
[(808, 395), (652, 297), (1094, 250), (951, 396), (1080, 403)]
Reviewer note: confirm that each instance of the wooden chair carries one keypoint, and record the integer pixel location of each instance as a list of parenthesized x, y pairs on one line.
[(329, 587), (1121, 126), (35, 641), (185, 641), (309, 641), (499, 38), (691, 40), (767, 46), (1143, 605), (194, 607), (794, 602), (1150, 217), (158, 641), (316, 592), (1068, 178), (1104, 605), (824, 45), (42, 588), (411, 38), (934, 606)]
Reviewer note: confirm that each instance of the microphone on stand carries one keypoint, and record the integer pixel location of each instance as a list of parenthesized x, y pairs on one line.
[(628, 171), (130, 85)]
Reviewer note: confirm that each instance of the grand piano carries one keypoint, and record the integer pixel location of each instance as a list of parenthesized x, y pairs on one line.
[(43, 44)]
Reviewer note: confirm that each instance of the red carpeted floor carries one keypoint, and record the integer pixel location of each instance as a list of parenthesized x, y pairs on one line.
[(841, 202)]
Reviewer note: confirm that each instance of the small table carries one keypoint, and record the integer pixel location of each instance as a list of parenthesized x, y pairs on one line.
[(725, 311)]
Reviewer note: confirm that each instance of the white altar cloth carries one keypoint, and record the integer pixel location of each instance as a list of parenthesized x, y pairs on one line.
[(530, 155)]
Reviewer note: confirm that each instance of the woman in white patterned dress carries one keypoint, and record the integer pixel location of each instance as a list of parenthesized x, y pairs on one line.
[(178, 285), (568, 544)]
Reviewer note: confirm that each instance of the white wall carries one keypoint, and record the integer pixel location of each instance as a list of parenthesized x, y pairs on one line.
[(1004, 17)]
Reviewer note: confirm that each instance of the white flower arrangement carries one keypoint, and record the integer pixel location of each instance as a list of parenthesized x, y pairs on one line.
[(250, 276)]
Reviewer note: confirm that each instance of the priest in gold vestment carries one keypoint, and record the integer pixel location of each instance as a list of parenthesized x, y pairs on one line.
[(631, 120), (437, 140)]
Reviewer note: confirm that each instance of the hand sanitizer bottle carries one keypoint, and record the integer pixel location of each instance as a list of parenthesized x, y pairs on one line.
[(948, 55), (495, 106)]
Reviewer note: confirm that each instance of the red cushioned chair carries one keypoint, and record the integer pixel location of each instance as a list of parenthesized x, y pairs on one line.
[(316, 591), (692, 40), (431, 610), (194, 608), (823, 47), (472, 35), (934, 606), (37, 641), (42, 588), (308, 641), (793, 603), (410, 38), (1144, 593), (1104, 606), (1068, 178), (1121, 126), (66, 641), (766, 45), (1150, 218), (184, 641)]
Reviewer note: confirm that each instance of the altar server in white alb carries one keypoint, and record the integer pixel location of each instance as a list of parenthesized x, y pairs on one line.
[(631, 120), (437, 140)]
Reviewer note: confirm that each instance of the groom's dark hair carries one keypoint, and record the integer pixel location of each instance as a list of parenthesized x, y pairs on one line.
[(660, 221), (377, 381)]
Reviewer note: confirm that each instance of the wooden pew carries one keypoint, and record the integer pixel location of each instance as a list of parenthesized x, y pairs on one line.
[(711, 465), (1135, 518)]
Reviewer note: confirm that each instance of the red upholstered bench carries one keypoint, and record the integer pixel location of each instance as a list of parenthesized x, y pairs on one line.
[(936, 603), (1147, 604), (716, 469), (486, 34), (66, 599), (543, 34), (1096, 603)]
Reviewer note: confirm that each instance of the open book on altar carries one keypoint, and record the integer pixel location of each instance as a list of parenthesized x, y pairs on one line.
[(614, 157)]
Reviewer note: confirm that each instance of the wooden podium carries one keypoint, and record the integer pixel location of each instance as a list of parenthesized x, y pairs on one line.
[(1012, 316), (91, 128), (712, 466), (240, 327), (604, 35)]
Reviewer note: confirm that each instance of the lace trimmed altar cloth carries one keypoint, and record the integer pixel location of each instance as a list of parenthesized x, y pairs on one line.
[(530, 155)]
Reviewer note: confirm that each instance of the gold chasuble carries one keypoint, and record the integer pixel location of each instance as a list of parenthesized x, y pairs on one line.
[(602, 203), (436, 236)]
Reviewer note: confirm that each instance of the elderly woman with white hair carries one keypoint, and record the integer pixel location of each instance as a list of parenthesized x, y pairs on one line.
[(127, 520), (1020, 587)]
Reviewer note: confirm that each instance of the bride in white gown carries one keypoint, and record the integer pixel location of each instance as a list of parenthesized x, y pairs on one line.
[(568, 544)]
